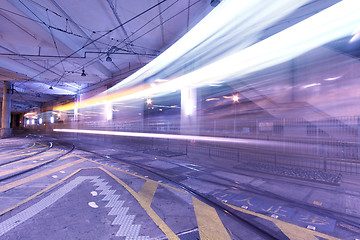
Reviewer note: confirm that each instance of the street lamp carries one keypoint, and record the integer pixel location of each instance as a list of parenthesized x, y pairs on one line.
[(235, 98), (148, 102)]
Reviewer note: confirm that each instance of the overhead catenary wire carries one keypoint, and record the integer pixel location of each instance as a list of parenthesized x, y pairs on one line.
[(99, 40), (95, 59), (87, 44), (91, 61)]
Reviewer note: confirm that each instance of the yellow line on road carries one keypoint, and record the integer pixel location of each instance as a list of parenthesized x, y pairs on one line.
[(18, 150), (147, 191), (31, 158), (206, 228), (20, 155), (37, 175), (213, 229), (293, 232), (209, 224), (23, 154), (18, 169), (39, 193), (145, 205), (132, 174)]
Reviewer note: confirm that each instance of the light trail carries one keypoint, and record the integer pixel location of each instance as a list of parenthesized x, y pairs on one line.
[(168, 136), (333, 23)]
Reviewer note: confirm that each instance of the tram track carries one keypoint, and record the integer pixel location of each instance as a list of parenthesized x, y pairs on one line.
[(262, 230), (337, 215), (36, 166), (27, 156), (250, 188)]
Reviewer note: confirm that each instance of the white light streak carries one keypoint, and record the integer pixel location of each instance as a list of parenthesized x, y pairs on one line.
[(312, 85), (73, 85), (288, 44), (211, 99), (281, 47), (356, 36), (52, 120), (161, 80), (40, 121), (332, 78), (248, 17), (167, 136)]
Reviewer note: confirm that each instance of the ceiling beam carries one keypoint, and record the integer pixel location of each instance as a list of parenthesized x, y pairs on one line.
[(103, 69)]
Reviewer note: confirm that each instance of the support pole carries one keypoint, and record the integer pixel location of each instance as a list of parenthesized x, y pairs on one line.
[(6, 111)]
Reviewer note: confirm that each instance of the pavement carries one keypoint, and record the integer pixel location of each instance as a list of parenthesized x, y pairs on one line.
[(50, 191)]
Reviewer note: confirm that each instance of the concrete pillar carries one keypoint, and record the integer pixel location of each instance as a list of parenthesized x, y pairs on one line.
[(108, 108), (6, 111), (189, 119)]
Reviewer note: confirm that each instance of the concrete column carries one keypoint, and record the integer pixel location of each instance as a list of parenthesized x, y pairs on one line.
[(108, 108), (189, 119), (6, 111)]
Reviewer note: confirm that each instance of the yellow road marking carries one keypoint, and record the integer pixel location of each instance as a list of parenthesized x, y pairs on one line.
[(293, 232), (132, 174), (39, 193), (147, 191), (20, 155), (18, 169), (18, 150), (145, 205), (209, 224), (31, 158), (23, 154), (19, 182)]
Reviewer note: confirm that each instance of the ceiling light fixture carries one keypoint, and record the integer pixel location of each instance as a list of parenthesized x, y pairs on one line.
[(108, 59), (113, 49), (83, 74)]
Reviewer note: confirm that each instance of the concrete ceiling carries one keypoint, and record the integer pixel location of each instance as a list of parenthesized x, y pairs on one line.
[(46, 45)]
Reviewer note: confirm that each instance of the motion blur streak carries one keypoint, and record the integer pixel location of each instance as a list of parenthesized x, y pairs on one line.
[(231, 18), (288, 44), (239, 19), (281, 47), (168, 136)]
